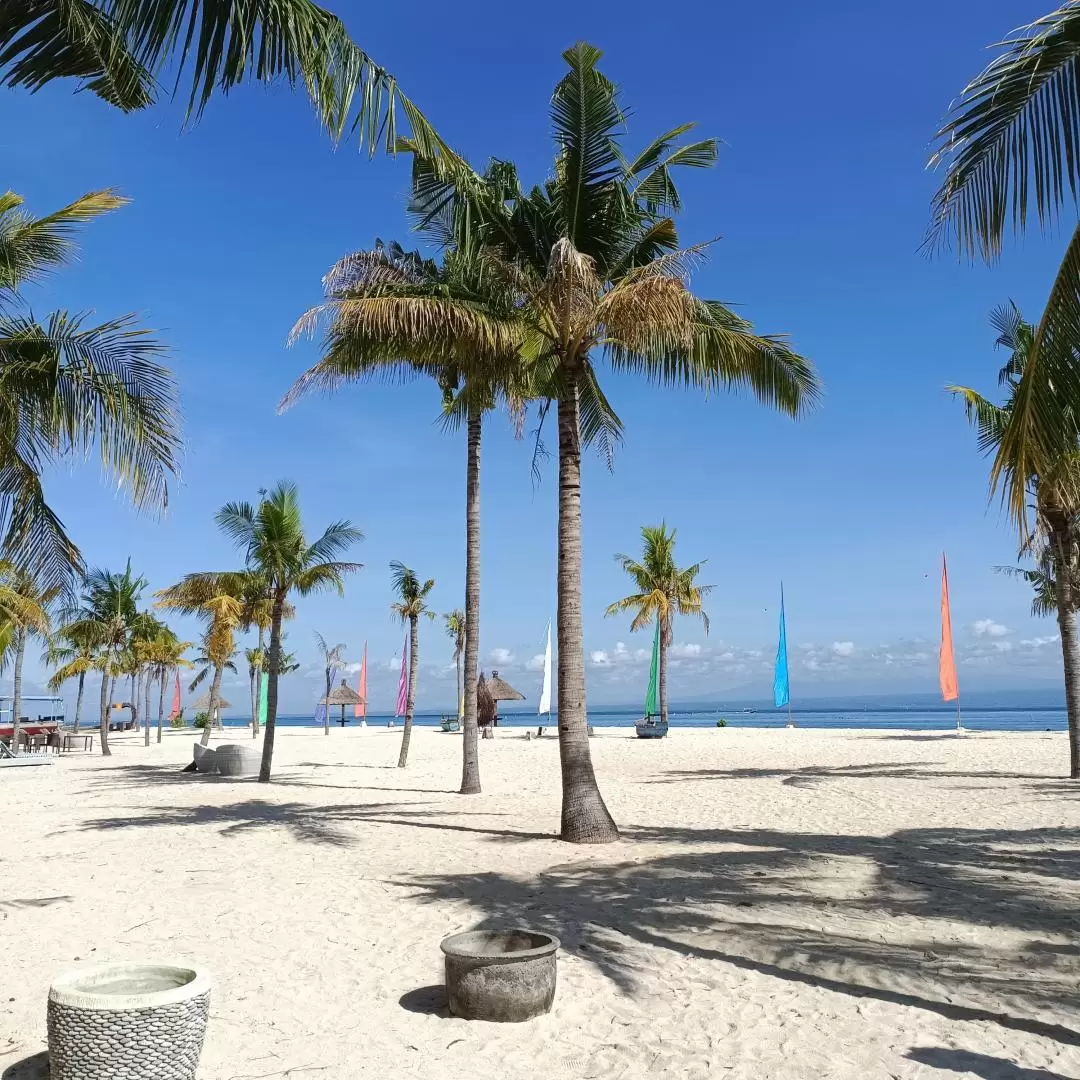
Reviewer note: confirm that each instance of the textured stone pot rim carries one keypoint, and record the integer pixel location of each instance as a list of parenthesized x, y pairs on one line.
[(66, 989), (451, 946)]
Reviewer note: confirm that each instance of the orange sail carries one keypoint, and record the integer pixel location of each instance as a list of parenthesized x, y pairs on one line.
[(360, 708), (950, 689)]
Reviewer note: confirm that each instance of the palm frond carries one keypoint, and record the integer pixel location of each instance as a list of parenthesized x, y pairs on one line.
[(1012, 138)]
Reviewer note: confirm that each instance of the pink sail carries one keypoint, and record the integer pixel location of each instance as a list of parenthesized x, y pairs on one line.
[(403, 682), (175, 711), (360, 708)]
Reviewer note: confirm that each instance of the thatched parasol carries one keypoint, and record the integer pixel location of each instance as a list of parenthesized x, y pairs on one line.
[(343, 695), (202, 703), (485, 707), (501, 690)]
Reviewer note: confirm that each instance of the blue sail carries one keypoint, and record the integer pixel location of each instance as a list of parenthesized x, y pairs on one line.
[(781, 687)]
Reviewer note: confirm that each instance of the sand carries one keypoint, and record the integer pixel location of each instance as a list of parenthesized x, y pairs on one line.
[(784, 904)]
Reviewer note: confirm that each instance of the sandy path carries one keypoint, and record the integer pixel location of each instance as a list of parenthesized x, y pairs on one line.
[(785, 904)]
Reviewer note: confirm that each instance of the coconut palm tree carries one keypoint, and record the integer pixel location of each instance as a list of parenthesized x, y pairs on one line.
[(1054, 492), (409, 608), (593, 255), (333, 658), (467, 341), (24, 611), (663, 591), (165, 655), (216, 600), (271, 535), (73, 655), (105, 615), (68, 388), (117, 49), (455, 631)]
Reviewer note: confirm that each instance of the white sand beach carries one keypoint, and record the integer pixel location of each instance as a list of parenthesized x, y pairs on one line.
[(784, 904)]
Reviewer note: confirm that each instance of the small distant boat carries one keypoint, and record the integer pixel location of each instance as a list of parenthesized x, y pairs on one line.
[(650, 726)]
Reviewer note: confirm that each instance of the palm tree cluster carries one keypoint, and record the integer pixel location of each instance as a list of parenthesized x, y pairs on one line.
[(539, 288), (1008, 150)]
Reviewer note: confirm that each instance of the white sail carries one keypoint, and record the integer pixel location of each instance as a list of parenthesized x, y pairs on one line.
[(545, 693)]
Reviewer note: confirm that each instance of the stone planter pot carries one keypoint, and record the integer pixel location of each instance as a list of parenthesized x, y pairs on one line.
[(501, 975), (128, 1022)]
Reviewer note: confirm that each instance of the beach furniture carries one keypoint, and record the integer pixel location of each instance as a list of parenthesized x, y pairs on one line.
[(8, 758), (233, 759), (203, 758), (342, 695)]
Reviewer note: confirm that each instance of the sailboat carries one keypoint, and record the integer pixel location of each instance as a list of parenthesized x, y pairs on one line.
[(649, 727), (544, 708)]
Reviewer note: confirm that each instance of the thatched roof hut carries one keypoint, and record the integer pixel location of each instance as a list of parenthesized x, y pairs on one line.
[(202, 702), (485, 704), (501, 690)]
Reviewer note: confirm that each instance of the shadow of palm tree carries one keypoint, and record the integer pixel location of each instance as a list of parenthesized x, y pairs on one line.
[(35, 1067), (989, 1068), (808, 908)]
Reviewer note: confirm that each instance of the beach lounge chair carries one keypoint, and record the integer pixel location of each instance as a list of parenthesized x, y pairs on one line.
[(8, 759), (235, 760), (204, 759)]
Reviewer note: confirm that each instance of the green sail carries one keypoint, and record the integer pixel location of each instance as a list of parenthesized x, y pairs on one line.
[(651, 702)]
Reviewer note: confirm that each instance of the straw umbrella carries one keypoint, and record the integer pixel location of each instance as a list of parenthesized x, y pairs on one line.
[(202, 704), (501, 690), (343, 695), (485, 708)]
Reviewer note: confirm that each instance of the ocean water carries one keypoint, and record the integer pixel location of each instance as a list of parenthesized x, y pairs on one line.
[(944, 719)]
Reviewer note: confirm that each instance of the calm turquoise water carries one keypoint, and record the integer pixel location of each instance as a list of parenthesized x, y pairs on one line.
[(1042, 719)]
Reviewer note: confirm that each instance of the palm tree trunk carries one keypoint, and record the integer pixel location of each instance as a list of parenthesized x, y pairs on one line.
[(78, 699), (470, 756), (585, 818), (16, 689), (258, 689), (148, 685), (665, 642), (161, 704), (133, 691), (414, 652), (215, 697), (1064, 581), (104, 721), (273, 665), (326, 710)]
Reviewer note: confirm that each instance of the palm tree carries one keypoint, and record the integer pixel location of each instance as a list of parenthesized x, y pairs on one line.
[(663, 591), (106, 614), (68, 388), (466, 340), (593, 255), (455, 631), (24, 611), (216, 600), (165, 655), (1055, 492), (73, 655), (409, 608), (116, 49), (333, 658), (271, 535)]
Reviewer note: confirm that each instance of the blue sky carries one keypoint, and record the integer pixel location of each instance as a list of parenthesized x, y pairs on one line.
[(821, 199)]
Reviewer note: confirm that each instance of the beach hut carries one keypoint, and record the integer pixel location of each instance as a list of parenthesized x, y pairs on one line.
[(202, 704), (342, 695), (500, 690)]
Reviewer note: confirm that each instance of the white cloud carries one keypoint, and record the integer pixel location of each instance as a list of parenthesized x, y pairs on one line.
[(843, 648), (1040, 642), (685, 651), (599, 658), (1003, 646), (620, 648), (501, 656), (351, 669), (989, 628), (536, 663)]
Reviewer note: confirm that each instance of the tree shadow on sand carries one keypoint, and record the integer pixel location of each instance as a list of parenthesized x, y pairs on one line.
[(905, 770), (35, 1067), (869, 917), (981, 1065)]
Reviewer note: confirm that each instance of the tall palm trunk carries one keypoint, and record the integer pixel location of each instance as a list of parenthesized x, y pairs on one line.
[(585, 818), (665, 642), (16, 689), (326, 709), (257, 690), (273, 666), (148, 686), (133, 691), (470, 756), (104, 722), (414, 652), (215, 697), (78, 699), (1061, 543), (161, 704)]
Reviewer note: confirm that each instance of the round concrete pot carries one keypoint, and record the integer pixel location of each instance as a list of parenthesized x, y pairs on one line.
[(501, 975), (128, 1022)]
